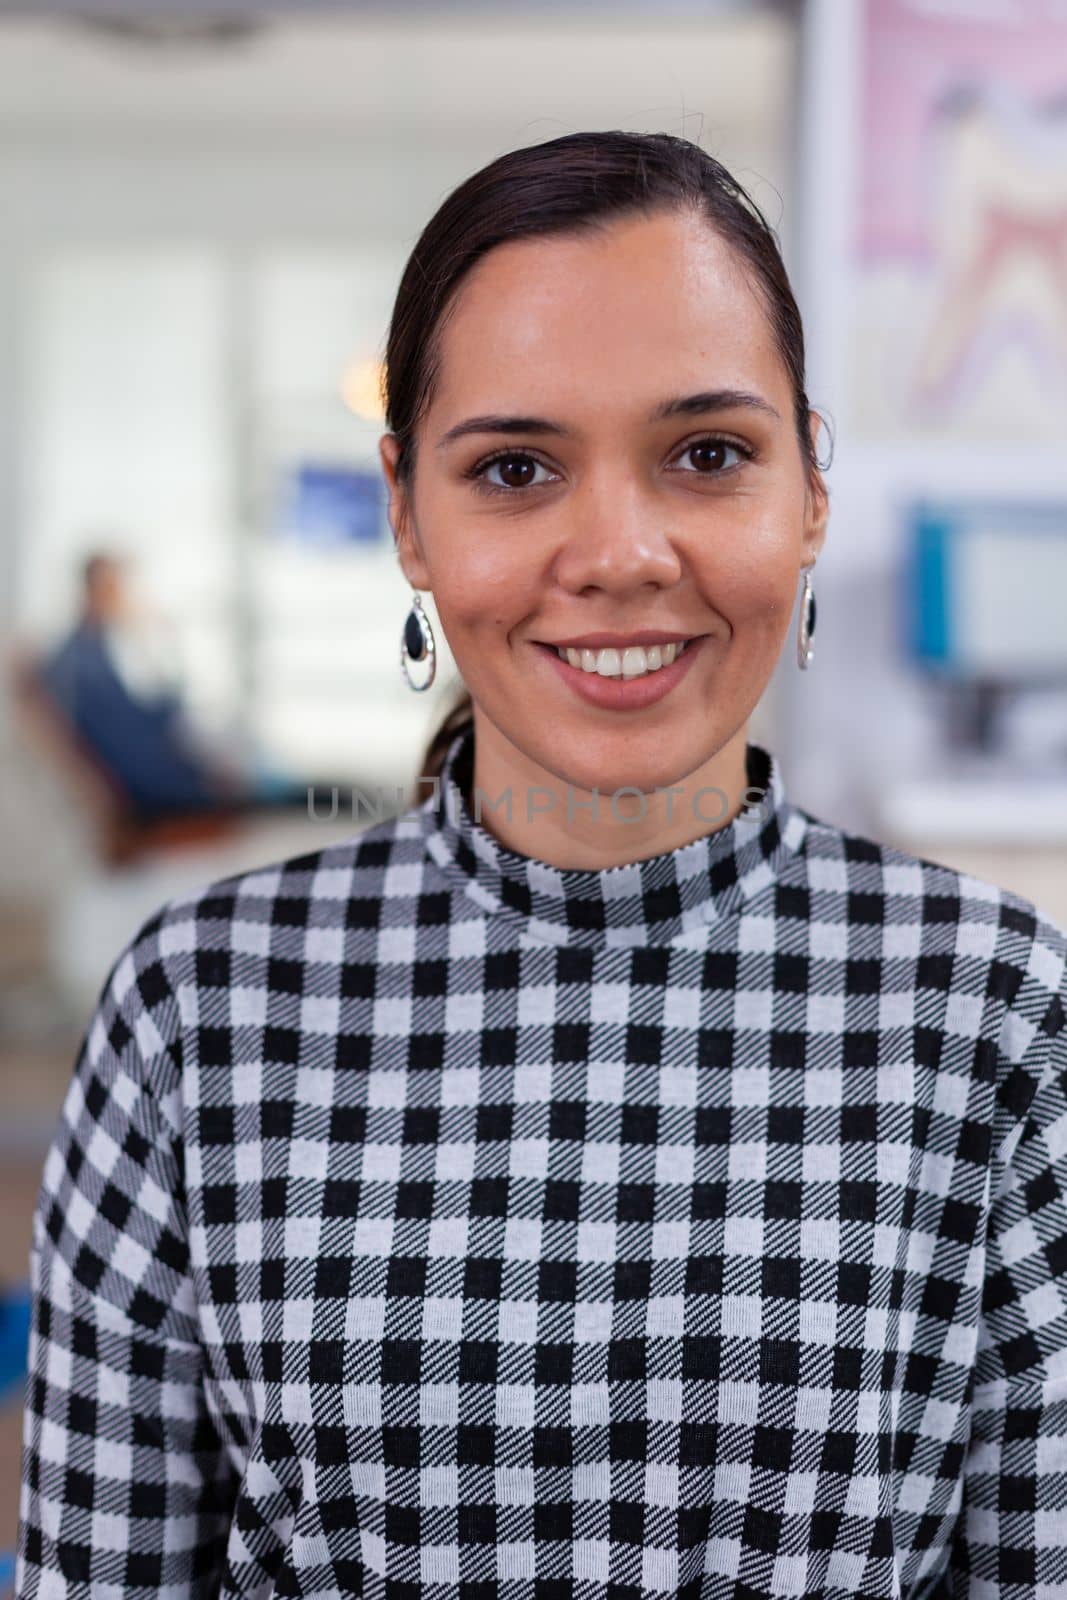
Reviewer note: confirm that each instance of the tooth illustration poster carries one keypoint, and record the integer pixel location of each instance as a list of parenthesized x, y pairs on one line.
[(961, 288)]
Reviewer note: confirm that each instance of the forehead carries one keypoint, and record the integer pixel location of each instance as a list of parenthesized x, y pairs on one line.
[(617, 314)]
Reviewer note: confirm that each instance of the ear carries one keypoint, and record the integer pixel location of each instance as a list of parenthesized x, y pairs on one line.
[(401, 517), (817, 511)]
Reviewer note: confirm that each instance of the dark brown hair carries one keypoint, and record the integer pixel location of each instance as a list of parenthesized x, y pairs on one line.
[(568, 185)]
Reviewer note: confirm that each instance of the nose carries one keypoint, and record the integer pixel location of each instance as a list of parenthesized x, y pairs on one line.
[(615, 538)]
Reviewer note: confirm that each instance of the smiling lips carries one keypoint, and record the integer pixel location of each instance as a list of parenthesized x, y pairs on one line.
[(632, 662), (614, 655), (626, 679)]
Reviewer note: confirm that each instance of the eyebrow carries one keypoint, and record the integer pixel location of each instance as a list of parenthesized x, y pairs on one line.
[(682, 405)]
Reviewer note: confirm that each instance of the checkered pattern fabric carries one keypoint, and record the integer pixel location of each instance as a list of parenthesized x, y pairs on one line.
[(425, 1221)]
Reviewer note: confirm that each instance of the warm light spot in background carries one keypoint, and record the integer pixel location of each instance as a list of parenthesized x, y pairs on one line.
[(361, 389)]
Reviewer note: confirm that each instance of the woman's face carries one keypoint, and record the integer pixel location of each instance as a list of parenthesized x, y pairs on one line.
[(587, 507)]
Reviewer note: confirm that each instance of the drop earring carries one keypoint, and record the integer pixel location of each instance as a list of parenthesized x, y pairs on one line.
[(806, 626), (417, 644)]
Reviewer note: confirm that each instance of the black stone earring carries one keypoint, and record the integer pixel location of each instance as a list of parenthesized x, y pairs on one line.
[(417, 644), (805, 653)]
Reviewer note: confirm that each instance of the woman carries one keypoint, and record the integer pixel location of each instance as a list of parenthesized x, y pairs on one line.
[(528, 1199)]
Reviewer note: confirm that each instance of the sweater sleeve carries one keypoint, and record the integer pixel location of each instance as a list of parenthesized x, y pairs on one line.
[(126, 1488), (1011, 1539)]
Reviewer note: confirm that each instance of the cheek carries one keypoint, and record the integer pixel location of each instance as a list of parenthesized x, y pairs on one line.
[(751, 579), (485, 585)]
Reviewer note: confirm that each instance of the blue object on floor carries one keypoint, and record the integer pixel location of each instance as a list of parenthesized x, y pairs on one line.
[(14, 1338), (7, 1574)]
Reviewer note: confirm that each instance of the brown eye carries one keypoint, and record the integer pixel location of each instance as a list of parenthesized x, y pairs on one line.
[(709, 456), (516, 470)]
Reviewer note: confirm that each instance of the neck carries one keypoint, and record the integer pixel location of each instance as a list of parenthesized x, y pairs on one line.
[(543, 814)]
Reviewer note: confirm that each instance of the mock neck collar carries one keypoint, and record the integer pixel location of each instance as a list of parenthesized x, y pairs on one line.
[(657, 900)]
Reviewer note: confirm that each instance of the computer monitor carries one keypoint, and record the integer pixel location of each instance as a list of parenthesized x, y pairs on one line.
[(985, 594), (984, 606)]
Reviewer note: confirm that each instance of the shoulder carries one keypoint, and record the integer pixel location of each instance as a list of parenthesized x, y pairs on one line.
[(205, 960), (997, 961), (270, 909), (283, 909), (932, 893)]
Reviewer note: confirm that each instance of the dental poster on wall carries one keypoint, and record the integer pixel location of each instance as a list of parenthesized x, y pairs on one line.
[(961, 250)]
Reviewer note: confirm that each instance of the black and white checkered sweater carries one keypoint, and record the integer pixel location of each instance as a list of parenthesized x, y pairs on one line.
[(426, 1221)]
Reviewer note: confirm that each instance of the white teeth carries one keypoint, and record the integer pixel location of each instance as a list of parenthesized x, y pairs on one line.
[(633, 662)]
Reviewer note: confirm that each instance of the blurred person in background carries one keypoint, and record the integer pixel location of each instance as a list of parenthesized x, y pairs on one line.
[(116, 679)]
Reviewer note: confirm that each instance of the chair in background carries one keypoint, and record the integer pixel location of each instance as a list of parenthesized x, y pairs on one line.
[(120, 837), (133, 866)]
